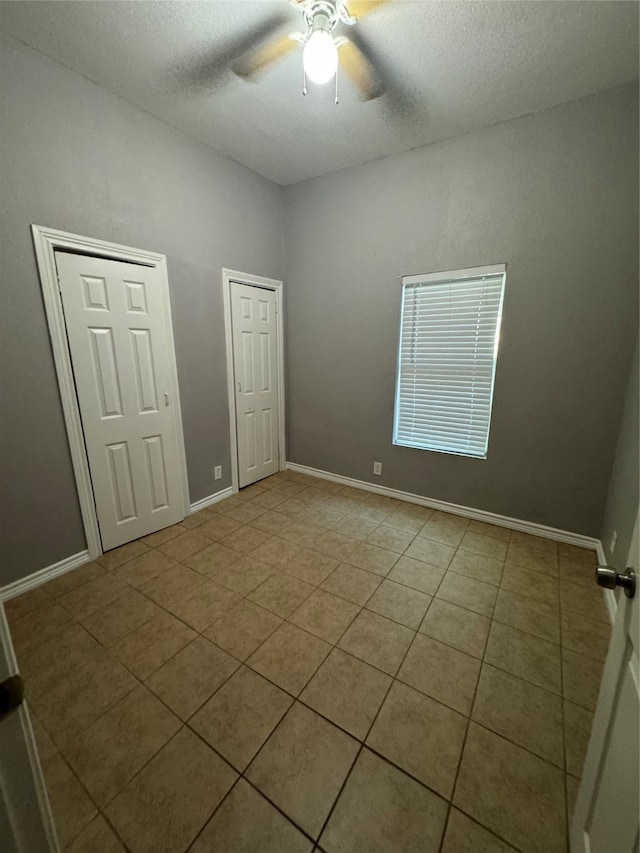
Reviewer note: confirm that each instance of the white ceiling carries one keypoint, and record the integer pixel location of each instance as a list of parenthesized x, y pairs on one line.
[(460, 65)]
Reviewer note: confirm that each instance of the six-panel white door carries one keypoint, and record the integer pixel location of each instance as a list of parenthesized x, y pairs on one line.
[(255, 365), (118, 338)]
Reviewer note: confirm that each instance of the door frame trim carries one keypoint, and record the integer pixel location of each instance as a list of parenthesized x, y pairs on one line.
[(7, 651), (228, 277), (46, 241)]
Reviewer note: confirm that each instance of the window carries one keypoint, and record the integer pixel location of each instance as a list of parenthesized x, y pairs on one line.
[(449, 330)]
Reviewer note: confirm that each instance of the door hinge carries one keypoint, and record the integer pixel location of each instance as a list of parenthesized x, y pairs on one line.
[(11, 695)]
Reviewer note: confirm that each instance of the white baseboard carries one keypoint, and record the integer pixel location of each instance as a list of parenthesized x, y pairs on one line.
[(44, 575), (51, 572), (468, 512), (203, 503), (6, 645)]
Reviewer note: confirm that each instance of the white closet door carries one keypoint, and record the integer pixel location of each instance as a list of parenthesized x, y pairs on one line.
[(117, 330), (255, 364)]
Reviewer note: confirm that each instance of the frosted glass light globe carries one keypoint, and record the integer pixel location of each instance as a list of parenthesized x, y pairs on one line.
[(320, 57)]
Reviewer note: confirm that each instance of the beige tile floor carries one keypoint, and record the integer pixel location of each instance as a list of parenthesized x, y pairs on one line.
[(309, 667)]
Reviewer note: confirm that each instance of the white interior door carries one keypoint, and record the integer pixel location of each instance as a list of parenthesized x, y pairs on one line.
[(118, 338), (255, 365), (606, 815), (26, 824)]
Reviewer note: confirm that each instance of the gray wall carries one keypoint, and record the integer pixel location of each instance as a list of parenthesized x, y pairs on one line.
[(77, 158), (623, 497), (555, 196)]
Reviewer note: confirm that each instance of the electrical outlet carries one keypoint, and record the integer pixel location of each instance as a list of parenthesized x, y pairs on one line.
[(377, 467), (217, 472), (614, 539)]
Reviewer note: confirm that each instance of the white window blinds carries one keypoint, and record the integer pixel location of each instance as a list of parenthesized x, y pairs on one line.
[(449, 328)]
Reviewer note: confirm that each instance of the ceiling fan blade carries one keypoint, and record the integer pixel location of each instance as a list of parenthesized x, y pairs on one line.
[(359, 68), (361, 8), (254, 63), (385, 80), (209, 70)]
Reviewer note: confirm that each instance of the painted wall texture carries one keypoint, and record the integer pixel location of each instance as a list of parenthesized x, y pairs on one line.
[(555, 196), (77, 158), (623, 495)]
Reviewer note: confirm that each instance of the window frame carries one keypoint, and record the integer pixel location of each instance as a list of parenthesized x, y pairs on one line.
[(442, 277)]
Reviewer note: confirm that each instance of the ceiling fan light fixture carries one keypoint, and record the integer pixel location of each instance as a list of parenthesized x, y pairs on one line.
[(320, 56)]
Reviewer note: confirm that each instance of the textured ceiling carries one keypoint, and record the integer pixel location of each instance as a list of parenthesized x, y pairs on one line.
[(458, 65)]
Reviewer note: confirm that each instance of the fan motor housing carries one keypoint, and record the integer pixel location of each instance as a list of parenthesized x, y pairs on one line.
[(320, 22), (321, 15)]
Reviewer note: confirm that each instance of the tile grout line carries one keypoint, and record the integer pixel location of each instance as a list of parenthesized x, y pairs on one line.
[(241, 776), (197, 734), (141, 683), (496, 733), (508, 740), (334, 645), (241, 773), (115, 831), (63, 758), (502, 736), (364, 745), (468, 722), (364, 739), (201, 633), (372, 724), (296, 699)]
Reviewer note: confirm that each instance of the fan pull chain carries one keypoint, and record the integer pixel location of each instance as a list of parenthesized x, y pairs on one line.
[(336, 85), (304, 81)]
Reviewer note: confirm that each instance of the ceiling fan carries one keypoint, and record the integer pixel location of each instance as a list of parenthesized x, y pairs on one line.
[(323, 47)]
